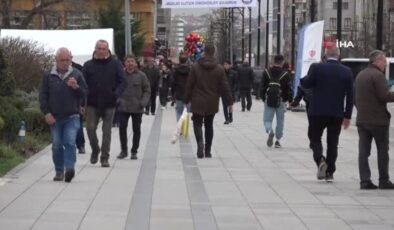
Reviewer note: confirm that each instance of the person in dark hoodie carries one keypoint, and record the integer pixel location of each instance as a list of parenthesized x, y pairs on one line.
[(62, 90), (106, 80), (178, 85), (207, 82), (245, 84), (232, 78)]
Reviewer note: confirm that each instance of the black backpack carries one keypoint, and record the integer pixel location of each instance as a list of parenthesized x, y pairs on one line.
[(273, 95)]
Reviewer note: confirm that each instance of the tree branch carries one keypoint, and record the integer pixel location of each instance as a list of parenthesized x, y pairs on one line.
[(36, 10)]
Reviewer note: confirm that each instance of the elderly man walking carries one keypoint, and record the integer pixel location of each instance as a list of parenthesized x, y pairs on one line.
[(373, 120), (106, 80), (62, 90), (332, 85)]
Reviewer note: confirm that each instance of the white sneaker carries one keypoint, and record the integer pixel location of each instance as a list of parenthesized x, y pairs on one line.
[(322, 169)]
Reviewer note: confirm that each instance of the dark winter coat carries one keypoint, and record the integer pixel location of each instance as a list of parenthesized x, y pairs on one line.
[(153, 74), (179, 80), (106, 80), (207, 82), (285, 84), (136, 95), (57, 98), (245, 77)]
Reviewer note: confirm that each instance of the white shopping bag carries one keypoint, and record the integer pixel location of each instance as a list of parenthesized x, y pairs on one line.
[(178, 129)]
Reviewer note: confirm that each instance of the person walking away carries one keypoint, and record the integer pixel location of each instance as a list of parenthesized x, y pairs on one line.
[(62, 90), (206, 84), (164, 85), (245, 84), (153, 74), (231, 76), (178, 85), (106, 80), (275, 93), (131, 104), (257, 80), (332, 85), (373, 120)]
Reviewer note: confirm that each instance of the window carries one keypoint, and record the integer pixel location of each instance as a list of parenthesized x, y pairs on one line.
[(345, 5), (334, 5), (348, 23), (333, 23)]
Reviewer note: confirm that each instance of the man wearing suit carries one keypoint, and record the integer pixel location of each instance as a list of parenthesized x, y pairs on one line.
[(332, 84)]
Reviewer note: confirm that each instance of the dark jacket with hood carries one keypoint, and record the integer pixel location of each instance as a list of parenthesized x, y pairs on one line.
[(57, 98), (106, 80), (179, 80), (245, 77), (207, 82)]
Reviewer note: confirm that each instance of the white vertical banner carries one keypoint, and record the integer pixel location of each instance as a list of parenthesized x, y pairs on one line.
[(208, 3), (309, 49)]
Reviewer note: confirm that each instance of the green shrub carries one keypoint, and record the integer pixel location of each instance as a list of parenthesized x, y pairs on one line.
[(7, 82), (1, 123), (35, 121), (11, 112), (9, 158)]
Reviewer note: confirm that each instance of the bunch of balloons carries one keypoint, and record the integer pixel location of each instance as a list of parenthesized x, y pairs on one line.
[(194, 46)]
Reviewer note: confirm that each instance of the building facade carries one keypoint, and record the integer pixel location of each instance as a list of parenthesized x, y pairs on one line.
[(177, 36)]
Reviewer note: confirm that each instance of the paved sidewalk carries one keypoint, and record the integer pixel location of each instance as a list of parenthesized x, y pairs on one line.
[(245, 186)]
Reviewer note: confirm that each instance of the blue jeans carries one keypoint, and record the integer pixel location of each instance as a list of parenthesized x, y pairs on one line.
[(64, 134), (179, 106), (269, 113)]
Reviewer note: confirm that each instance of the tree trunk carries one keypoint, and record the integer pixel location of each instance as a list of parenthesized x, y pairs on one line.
[(36, 10)]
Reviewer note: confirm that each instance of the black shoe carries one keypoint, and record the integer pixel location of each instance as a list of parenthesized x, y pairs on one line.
[(226, 122), (230, 119), (277, 144), (243, 110), (329, 177), (104, 164), (270, 140), (81, 150), (133, 157), (386, 185), (322, 169), (94, 158), (208, 155), (70, 173), (153, 114), (368, 186), (122, 155), (146, 112), (59, 176)]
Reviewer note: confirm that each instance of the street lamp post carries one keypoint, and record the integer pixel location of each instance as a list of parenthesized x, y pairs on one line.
[(339, 20), (250, 36), (129, 49), (293, 9), (278, 28), (231, 35), (267, 35), (379, 26), (258, 33), (313, 8), (243, 35)]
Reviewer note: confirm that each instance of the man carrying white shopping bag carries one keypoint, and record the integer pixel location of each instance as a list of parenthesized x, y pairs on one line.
[(207, 82)]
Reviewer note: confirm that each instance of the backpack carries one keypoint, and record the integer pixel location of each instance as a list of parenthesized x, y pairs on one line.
[(273, 95)]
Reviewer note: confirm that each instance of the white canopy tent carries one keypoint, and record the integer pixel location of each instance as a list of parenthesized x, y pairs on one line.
[(80, 42)]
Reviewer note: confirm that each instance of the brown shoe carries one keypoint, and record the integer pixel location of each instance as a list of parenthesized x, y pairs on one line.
[(105, 164)]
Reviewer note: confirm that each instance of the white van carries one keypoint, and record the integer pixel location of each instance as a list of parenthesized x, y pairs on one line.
[(358, 64)]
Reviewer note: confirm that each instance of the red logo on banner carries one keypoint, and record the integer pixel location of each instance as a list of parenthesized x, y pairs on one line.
[(329, 43)]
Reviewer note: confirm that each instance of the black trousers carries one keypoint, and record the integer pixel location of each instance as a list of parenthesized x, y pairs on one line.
[(381, 135), (198, 120), (163, 95), (80, 136), (228, 116), (317, 125), (136, 122), (152, 104), (245, 94)]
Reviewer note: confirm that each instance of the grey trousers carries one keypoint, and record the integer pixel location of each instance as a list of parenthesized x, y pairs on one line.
[(93, 117), (381, 136)]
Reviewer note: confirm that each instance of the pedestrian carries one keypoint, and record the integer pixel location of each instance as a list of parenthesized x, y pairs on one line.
[(106, 80), (62, 90), (80, 135), (164, 85), (131, 104), (257, 81), (206, 84), (275, 93), (153, 74), (231, 76), (245, 84), (178, 85), (373, 120), (332, 84)]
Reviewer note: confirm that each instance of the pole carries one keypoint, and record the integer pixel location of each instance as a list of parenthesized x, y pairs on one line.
[(313, 10), (127, 24), (267, 29), (293, 9), (231, 35), (243, 35), (250, 36), (379, 26), (278, 28), (339, 20), (258, 33)]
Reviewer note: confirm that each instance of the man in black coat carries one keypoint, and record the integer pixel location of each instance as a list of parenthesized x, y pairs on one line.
[(232, 79), (332, 84), (245, 83), (106, 80), (153, 74)]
